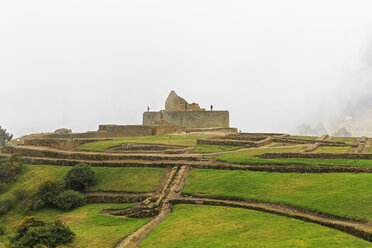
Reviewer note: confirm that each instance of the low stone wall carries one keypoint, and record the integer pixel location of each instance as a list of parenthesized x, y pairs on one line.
[(330, 221), (306, 141), (317, 155), (25, 151), (216, 129), (107, 131), (251, 136), (226, 142), (64, 144), (311, 148), (87, 135), (115, 197)]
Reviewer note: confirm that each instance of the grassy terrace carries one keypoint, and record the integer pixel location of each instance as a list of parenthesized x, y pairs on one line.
[(109, 179), (347, 140), (251, 157), (341, 194), (304, 137), (211, 226), (214, 148), (179, 140), (333, 149), (91, 228)]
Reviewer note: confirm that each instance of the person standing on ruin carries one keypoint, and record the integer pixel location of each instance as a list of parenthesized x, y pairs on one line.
[(148, 108), (211, 107)]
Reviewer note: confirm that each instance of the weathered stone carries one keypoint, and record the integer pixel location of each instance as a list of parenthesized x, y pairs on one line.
[(177, 103), (63, 131)]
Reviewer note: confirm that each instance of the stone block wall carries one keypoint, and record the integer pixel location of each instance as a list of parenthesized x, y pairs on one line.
[(190, 119)]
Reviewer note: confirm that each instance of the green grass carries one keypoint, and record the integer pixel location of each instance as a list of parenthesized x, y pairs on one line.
[(341, 194), (211, 226), (91, 228), (304, 137), (347, 140), (333, 149), (179, 140), (214, 148), (128, 179), (109, 179), (250, 157)]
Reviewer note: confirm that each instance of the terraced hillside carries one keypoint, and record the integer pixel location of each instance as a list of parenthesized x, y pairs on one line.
[(202, 190)]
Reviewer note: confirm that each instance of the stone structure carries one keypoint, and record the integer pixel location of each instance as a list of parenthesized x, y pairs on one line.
[(180, 113), (177, 103)]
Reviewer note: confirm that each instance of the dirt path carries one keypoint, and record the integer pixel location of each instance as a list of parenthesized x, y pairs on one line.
[(170, 190)]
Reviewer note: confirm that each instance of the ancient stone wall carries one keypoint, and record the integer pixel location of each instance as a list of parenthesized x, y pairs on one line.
[(64, 144), (317, 155), (190, 119)]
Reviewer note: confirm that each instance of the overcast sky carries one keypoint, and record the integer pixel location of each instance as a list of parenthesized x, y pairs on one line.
[(272, 64)]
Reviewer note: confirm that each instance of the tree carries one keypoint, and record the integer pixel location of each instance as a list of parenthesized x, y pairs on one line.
[(4, 136), (80, 177), (33, 231)]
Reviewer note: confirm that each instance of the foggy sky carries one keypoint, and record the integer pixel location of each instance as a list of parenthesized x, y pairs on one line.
[(272, 64)]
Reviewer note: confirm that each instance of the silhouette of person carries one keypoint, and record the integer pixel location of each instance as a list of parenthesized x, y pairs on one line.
[(148, 108), (211, 107)]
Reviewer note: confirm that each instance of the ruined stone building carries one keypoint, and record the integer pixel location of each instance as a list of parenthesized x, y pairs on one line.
[(183, 114)]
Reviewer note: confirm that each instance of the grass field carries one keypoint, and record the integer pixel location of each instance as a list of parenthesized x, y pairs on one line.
[(109, 179), (179, 140), (333, 149), (214, 148), (91, 228), (250, 157), (211, 226), (341, 194), (128, 179), (347, 140), (304, 137)]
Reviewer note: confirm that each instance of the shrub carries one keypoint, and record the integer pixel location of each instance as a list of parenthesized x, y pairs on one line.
[(47, 193), (34, 231), (6, 205), (2, 230), (70, 199), (2, 187), (10, 168), (22, 194), (80, 177)]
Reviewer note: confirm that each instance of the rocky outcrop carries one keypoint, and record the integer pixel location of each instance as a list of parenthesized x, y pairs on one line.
[(177, 103)]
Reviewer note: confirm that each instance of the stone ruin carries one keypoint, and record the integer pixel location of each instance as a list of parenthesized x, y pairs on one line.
[(180, 113), (177, 103)]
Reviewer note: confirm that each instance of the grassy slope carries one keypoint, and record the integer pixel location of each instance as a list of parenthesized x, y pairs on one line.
[(214, 148), (210, 226), (250, 157), (340, 194), (109, 179), (180, 140), (91, 229), (304, 137), (347, 140), (332, 149)]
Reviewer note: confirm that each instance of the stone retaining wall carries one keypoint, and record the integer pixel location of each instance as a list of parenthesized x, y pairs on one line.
[(91, 156), (317, 155), (242, 143), (306, 141), (348, 228), (189, 119), (115, 198), (64, 144)]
